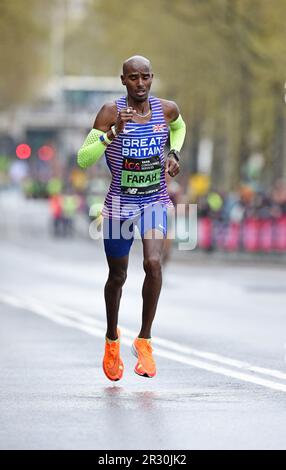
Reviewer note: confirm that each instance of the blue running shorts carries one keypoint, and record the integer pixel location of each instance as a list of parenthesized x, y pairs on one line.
[(118, 235)]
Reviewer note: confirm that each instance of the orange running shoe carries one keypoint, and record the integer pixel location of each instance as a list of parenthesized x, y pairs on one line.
[(142, 349), (112, 363)]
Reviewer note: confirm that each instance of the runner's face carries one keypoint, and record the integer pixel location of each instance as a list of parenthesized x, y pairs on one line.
[(138, 81)]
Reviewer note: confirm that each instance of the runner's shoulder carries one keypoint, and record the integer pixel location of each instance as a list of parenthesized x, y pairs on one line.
[(170, 109), (106, 116)]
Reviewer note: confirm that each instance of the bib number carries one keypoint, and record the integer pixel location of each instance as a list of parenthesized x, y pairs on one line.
[(140, 176)]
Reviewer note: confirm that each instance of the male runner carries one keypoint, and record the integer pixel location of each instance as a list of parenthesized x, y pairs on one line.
[(133, 132)]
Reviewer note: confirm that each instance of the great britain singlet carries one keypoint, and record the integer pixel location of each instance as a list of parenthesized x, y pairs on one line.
[(136, 162)]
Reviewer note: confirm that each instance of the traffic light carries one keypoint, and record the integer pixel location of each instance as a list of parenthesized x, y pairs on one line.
[(46, 152), (23, 151)]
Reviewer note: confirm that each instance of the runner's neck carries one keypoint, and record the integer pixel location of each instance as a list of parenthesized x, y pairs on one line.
[(143, 109)]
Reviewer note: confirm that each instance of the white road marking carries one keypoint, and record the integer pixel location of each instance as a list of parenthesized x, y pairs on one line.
[(83, 322), (176, 347)]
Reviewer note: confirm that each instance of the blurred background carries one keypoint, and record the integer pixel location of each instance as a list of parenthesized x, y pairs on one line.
[(219, 331), (222, 61)]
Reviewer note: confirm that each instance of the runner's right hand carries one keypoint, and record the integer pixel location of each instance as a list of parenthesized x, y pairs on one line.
[(124, 116)]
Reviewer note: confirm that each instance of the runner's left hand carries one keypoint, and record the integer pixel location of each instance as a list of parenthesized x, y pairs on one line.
[(172, 166)]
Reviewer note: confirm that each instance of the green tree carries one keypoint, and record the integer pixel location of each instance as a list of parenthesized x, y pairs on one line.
[(223, 61), (24, 35)]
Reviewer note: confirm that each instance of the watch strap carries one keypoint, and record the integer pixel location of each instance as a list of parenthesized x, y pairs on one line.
[(175, 153)]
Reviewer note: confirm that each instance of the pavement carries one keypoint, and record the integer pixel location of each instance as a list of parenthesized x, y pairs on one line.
[(219, 338)]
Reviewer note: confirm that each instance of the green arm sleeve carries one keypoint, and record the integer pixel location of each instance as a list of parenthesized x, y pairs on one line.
[(177, 133), (91, 150)]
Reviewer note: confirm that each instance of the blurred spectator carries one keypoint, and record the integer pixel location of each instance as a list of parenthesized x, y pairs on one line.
[(249, 220), (55, 205), (70, 205)]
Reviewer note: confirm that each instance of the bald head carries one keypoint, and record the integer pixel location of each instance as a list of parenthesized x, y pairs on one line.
[(136, 62), (137, 76)]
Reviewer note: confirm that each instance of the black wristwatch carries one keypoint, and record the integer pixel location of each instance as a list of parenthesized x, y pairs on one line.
[(175, 153)]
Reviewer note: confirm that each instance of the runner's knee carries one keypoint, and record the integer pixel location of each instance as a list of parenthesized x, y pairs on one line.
[(152, 266), (117, 277)]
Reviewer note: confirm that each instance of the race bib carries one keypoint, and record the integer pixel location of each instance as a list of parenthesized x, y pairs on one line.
[(140, 176)]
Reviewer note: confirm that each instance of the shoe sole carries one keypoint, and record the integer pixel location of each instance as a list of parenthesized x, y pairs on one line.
[(134, 352)]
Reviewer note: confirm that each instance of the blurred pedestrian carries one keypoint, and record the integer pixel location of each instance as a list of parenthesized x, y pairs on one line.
[(56, 209), (70, 204)]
